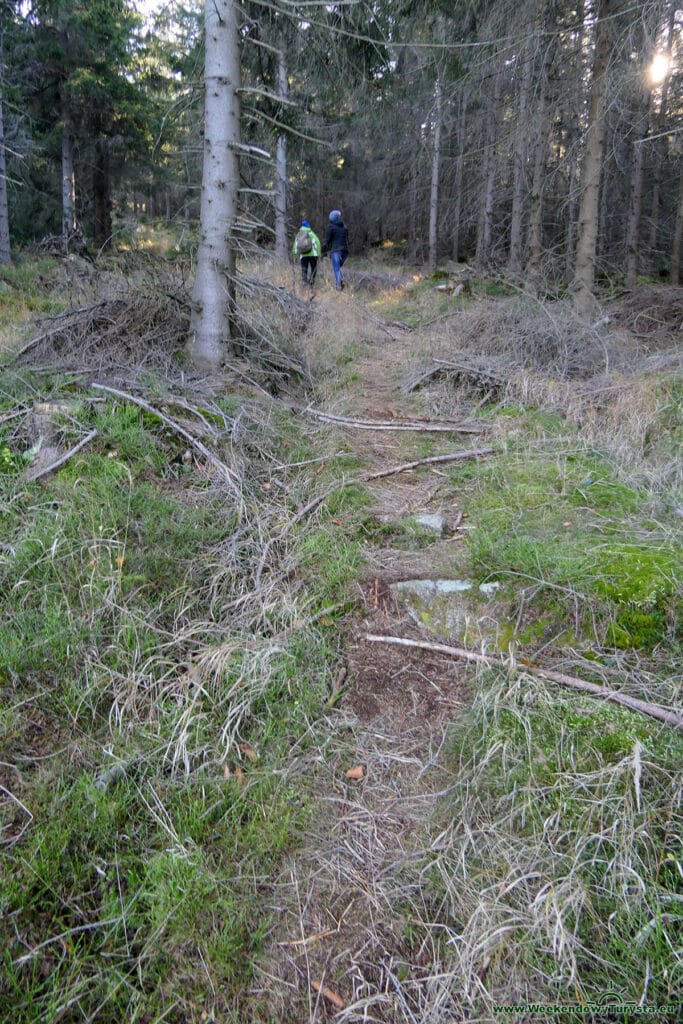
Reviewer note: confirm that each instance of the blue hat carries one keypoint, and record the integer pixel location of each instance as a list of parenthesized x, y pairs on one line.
[(335, 215), (305, 224)]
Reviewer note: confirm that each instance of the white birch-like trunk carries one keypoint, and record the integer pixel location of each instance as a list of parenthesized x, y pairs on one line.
[(213, 295), (591, 169), (281, 247), (5, 250), (434, 188)]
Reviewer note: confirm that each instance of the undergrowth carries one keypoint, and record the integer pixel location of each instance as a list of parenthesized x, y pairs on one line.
[(561, 871), (156, 675)]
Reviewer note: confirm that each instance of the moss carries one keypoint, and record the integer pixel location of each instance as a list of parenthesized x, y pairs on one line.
[(639, 576), (637, 630)]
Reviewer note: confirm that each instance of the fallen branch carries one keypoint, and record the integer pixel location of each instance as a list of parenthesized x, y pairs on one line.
[(316, 502), (474, 453), (228, 473), (644, 707), (426, 426), (32, 477)]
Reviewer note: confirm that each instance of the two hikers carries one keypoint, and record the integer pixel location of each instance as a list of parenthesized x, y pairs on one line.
[(307, 249)]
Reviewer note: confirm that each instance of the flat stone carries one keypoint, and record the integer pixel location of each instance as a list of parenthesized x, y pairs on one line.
[(433, 522), (436, 604), (455, 609)]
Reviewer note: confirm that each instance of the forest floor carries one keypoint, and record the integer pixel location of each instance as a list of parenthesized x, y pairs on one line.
[(220, 799)]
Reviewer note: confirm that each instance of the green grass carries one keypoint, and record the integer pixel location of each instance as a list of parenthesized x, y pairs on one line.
[(565, 526), (26, 291), (565, 873), (126, 894)]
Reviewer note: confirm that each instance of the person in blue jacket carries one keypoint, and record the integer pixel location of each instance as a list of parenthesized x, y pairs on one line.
[(307, 249), (336, 243)]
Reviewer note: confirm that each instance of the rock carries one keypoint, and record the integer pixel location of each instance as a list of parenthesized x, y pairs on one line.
[(436, 523), (451, 608)]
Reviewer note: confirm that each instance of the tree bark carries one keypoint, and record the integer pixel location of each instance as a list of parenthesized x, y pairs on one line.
[(281, 247), (459, 167), (519, 164), (675, 270), (213, 296), (485, 226), (5, 250), (68, 177), (591, 169), (102, 196), (412, 213), (540, 151), (635, 213), (436, 169), (659, 144)]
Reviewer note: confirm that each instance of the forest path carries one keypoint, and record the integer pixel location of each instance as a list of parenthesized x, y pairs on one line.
[(349, 898)]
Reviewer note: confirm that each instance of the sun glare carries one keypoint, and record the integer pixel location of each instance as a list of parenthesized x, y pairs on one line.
[(659, 69)]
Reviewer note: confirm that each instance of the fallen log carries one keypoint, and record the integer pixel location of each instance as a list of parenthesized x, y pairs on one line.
[(643, 707), (419, 426)]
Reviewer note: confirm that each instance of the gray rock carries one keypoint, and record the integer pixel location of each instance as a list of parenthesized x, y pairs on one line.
[(433, 522)]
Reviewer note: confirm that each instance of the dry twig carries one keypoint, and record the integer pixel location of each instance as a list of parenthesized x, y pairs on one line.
[(672, 718)]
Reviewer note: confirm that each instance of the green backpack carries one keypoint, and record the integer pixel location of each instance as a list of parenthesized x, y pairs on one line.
[(304, 242)]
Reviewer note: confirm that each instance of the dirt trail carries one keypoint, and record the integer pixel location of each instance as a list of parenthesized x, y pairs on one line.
[(347, 899)]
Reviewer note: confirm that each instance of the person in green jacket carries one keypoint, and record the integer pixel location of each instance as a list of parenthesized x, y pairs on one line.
[(307, 249)]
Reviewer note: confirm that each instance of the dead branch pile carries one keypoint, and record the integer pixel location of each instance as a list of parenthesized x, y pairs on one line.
[(141, 319), (144, 328), (534, 339), (653, 314)]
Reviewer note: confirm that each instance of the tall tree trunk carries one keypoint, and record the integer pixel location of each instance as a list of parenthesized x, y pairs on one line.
[(635, 212), (572, 143), (659, 143), (436, 169), (519, 164), (68, 177), (459, 167), (101, 196), (412, 213), (540, 149), (281, 247), (5, 250), (675, 270), (591, 169), (485, 225), (213, 295)]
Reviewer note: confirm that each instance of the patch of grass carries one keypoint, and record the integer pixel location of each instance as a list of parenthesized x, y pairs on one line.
[(26, 290), (541, 522), (570, 846), (139, 894)]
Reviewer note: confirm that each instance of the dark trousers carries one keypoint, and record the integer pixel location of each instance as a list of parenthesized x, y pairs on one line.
[(309, 268)]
